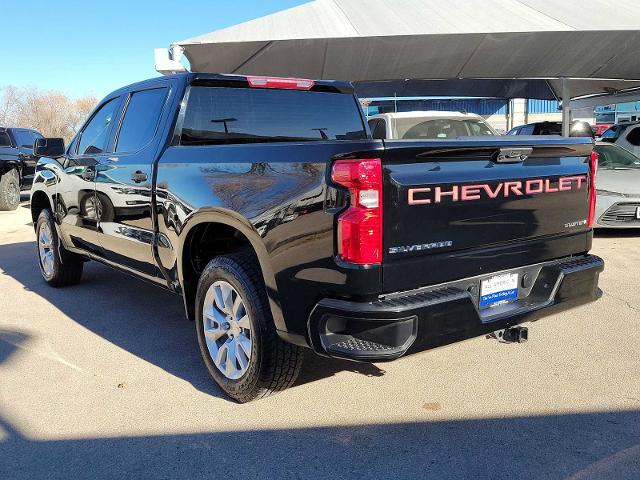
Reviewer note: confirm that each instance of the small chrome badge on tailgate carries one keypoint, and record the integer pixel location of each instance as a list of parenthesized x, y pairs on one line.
[(512, 155), (420, 247)]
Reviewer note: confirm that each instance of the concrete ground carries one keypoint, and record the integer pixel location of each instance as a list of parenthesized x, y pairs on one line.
[(104, 380)]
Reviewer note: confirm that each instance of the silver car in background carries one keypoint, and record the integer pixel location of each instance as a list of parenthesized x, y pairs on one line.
[(428, 125), (625, 135), (618, 187)]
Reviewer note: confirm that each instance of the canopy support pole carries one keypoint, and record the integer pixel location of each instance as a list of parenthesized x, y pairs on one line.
[(566, 108)]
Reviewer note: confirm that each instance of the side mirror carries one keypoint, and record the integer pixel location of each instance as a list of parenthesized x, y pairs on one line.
[(49, 147)]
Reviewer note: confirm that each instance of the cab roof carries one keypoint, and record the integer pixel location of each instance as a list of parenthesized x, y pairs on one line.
[(427, 114), (221, 78)]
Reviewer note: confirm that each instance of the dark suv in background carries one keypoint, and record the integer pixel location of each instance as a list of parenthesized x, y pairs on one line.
[(578, 129), (17, 164)]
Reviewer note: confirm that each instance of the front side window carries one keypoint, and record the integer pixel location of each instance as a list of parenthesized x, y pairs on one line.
[(216, 115), (477, 129), (95, 136), (141, 119), (24, 138)]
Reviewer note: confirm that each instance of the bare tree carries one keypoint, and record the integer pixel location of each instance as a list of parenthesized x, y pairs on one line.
[(9, 104), (50, 112), (82, 107)]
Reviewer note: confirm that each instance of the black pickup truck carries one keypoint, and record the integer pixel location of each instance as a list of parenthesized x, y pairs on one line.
[(266, 204), (17, 164)]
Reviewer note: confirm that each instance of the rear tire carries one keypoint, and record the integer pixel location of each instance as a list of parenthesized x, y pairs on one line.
[(10, 190), (59, 268), (262, 363)]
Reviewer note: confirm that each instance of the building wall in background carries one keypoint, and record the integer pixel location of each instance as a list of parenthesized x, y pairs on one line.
[(618, 112)]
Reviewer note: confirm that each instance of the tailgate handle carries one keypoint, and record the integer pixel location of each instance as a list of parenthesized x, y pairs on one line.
[(512, 155)]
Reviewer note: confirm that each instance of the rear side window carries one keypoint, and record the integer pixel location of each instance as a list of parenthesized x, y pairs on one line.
[(141, 119), (95, 135), (217, 115), (381, 130), (633, 137), (373, 123), (548, 129), (378, 128), (526, 130)]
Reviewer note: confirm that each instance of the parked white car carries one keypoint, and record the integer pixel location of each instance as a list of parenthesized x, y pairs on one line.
[(426, 125), (618, 187), (625, 135)]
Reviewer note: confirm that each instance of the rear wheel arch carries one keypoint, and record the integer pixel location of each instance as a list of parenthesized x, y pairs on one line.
[(213, 234)]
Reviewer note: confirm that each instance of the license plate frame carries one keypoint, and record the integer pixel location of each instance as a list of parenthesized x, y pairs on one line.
[(498, 289)]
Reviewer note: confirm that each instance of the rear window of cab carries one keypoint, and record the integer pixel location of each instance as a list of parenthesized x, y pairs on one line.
[(218, 115)]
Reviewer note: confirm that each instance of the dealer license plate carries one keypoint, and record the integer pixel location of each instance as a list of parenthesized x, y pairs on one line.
[(498, 289)]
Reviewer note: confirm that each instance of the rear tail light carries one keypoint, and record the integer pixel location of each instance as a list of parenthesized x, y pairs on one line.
[(278, 82), (360, 226), (593, 169)]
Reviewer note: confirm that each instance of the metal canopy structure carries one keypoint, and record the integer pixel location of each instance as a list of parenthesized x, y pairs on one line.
[(498, 48), (541, 88)]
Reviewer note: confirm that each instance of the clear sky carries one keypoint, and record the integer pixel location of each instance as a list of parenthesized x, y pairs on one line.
[(92, 47)]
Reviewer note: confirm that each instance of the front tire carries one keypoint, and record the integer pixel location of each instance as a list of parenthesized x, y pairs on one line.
[(236, 333), (59, 268), (10, 190)]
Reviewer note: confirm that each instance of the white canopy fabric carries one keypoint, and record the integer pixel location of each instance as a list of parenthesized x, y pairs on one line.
[(595, 43)]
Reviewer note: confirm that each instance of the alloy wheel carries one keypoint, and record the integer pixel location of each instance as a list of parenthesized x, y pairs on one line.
[(45, 249), (13, 193), (227, 329)]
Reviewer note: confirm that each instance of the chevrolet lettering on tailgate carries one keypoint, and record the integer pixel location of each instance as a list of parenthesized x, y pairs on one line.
[(517, 188)]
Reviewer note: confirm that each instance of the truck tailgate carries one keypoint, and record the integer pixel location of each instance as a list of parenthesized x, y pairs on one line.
[(466, 207)]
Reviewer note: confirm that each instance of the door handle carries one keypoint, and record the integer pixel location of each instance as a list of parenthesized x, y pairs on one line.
[(139, 176)]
